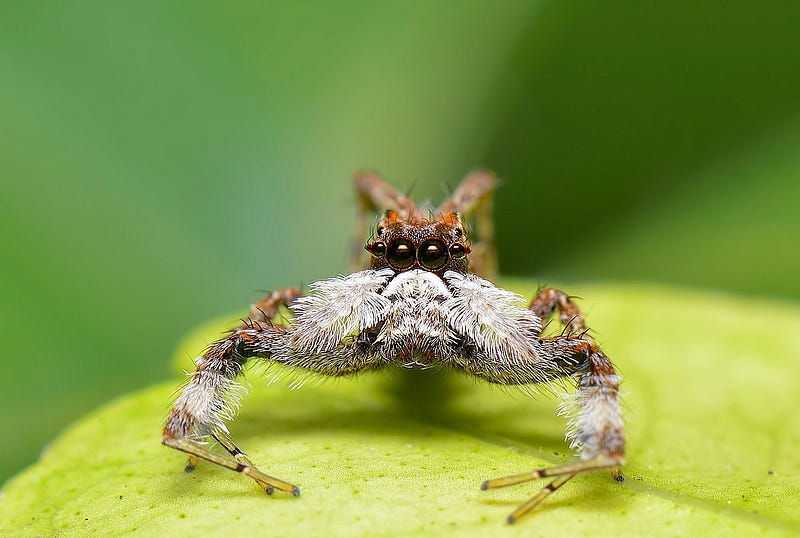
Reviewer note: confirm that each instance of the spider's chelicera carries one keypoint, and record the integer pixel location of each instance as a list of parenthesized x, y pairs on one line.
[(420, 303)]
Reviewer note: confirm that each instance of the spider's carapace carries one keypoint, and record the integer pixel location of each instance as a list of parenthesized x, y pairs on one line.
[(436, 245)]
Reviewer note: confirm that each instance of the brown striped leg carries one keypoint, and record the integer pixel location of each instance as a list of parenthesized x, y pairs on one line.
[(267, 308), (375, 195), (534, 501), (239, 455), (473, 199), (206, 401), (268, 483), (595, 419), (548, 300), (209, 398), (562, 474)]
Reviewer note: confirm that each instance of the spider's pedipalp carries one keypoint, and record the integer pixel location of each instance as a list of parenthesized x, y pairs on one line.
[(338, 308), (501, 334)]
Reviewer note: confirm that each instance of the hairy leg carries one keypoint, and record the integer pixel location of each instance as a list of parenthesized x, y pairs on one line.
[(315, 341), (374, 195), (266, 309), (549, 300), (595, 426), (473, 199), (210, 397)]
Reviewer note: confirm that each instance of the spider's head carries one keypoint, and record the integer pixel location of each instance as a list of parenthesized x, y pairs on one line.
[(436, 245)]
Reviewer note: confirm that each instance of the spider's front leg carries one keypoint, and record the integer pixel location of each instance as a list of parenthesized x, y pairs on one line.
[(595, 426), (210, 396), (503, 344), (322, 338), (547, 301)]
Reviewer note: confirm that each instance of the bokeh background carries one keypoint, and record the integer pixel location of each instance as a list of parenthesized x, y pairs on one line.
[(162, 162)]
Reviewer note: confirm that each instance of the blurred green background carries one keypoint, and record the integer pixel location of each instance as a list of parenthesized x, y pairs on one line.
[(162, 162)]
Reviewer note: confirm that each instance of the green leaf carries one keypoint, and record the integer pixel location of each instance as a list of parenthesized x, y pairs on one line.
[(710, 386)]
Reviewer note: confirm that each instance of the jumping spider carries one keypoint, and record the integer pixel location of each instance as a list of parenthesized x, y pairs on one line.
[(417, 305)]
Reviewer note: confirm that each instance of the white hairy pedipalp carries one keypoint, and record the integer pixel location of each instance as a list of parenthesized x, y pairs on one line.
[(339, 307), (494, 318)]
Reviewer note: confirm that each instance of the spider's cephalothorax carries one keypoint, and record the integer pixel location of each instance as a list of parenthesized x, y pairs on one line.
[(436, 245), (423, 301)]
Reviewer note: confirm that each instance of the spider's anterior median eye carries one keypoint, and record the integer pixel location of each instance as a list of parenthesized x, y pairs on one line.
[(401, 254), (378, 248), (433, 254), (457, 250)]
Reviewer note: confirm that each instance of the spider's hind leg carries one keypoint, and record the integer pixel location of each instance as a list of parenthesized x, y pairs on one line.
[(375, 194), (473, 199)]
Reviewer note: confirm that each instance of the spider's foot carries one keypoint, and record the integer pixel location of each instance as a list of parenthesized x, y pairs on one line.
[(534, 501), (561, 473), (269, 483), (295, 491), (239, 463), (191, 464)]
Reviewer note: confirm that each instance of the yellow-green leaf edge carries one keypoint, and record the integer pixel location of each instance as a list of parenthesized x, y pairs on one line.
[(710, 381)]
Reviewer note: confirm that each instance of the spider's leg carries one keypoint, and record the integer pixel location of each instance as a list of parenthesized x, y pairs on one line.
[(375, 195), (502, 344), (534, 501), (474, 200), (265, 310), (595, 425), (209, 399), (239, 455), (319, 339), (551, 299), (268, 483), (205, 402)]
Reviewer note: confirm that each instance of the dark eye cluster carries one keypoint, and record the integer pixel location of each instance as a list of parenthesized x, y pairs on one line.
[(402, 253)]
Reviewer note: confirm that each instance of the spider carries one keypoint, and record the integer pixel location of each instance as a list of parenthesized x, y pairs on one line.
[(421, 303)]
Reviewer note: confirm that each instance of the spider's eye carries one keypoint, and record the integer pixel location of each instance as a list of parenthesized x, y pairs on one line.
[(401, 254), (433, 254), (457, 250), (378, 248)]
